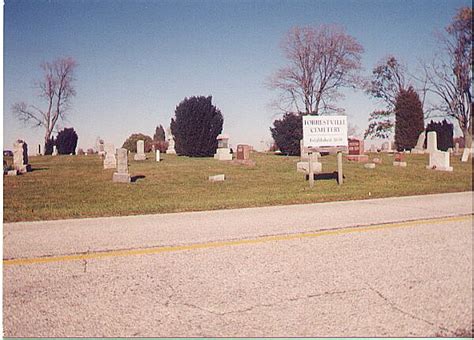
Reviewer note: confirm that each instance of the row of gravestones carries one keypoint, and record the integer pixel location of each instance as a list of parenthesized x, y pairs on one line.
[(438, 160), (119, 158)]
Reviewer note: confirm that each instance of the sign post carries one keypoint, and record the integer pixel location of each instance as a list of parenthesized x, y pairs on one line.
[(310, 169), (340, 177), (322, 132)]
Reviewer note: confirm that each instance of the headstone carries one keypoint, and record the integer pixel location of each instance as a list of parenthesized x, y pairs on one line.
[(140, 155), (377, 160), (465, 154), (223, 150), (217, 178), (456, 148), (399, 160), (170, 138), (39, 149), (303, 166), (391, 146), (12, 172), (373, 148), (243, 152), (399, 157), (439, 160), (419, 144), (304, 152), (369, 165), (157, 152), (356, 147), (55, 150), (20, 157), (385, 146), (432, 142), (101, 148), (122, 175), (356, 151), (110, 162)]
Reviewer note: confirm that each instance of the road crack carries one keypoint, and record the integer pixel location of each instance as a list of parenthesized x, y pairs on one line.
[(292, 299), (398, 309)]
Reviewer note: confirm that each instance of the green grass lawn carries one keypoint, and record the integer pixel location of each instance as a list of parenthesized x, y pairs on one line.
[(77, 186)]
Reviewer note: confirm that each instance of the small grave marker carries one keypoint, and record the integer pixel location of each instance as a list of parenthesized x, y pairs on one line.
[(217, 178)]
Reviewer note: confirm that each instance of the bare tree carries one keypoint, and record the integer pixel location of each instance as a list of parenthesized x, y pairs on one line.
[(450, 76), (321, 60), (56, 90), (389, 78)]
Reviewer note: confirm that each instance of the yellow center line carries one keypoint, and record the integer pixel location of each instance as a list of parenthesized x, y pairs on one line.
[(217, 244)]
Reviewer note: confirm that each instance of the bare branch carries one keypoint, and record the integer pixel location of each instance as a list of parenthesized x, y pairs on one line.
[(321, 60), (56, 89)]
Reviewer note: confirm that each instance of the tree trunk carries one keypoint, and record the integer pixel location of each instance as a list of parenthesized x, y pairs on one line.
[(467, 138)]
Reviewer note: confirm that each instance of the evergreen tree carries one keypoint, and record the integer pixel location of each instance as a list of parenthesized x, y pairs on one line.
[(409, 119), (48, 147), (66, 141), (159, 135), (287, 133), (195, 127), (444, 134)]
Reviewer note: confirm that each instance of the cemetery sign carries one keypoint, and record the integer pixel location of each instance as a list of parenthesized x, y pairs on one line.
[(325, 131)]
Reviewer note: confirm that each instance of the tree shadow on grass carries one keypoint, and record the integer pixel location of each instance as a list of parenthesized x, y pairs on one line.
[(133, 179), (325, 176)]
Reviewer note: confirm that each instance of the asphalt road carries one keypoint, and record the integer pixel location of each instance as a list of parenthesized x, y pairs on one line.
[(385, 267)]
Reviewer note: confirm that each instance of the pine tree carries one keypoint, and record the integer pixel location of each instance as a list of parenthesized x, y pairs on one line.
[(409, 119), (287, 133), (159, 135), (66, 141), (195, 127)]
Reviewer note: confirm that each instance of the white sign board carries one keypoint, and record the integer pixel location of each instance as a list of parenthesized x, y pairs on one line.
[(321, 131)]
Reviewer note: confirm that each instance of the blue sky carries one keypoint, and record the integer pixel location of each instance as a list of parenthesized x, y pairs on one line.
[(139, 59)]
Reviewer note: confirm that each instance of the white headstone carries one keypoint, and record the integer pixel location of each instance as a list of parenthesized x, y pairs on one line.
[(432, 143), (217, 178), (122, 175), (140, 155), (101, 148), (303, 167), (170, 139), (110, 161), (20, 157), (465, 155), (223, 150), (439, 160), (157, 155), (419, 144), (456, 148), (55, 150)]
